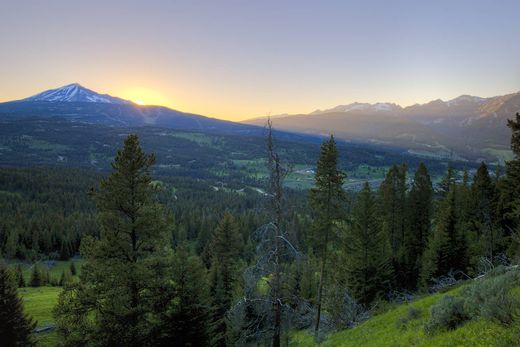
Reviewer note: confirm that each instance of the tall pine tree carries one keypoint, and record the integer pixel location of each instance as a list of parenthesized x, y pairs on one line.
[(368, 260), (113, 304), (446, 249), (327, 200), (392, 208), (509, 202), (225, 249), (419, 215)]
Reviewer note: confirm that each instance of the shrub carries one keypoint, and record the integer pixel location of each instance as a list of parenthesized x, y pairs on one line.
[(491, 298), (447, 313), (413, 313)]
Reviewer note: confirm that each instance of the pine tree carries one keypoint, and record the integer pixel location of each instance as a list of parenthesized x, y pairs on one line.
[(509, 202), (446, 248), (15, 326), (419, 215), (327, 200), (225, 249), (447, 181), (72, 268), (392, 208), (37, 279), (185, 322), (368, 261), (125, 268), (483, 232), (20, 279)]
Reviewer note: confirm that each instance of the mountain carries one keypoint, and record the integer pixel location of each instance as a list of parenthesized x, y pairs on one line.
[(75, 93), (76, 103), (467, 127)]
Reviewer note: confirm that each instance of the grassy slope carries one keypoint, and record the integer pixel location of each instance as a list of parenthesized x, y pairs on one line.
[(383, 330), (38, 303)]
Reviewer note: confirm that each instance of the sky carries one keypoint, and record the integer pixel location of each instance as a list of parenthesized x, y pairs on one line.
[(241, 59)]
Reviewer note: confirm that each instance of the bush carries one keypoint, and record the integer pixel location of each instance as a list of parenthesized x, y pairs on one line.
[(491, 298), (447, 313)]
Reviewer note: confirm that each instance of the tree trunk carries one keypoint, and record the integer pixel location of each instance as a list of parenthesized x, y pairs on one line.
[(320, 290)]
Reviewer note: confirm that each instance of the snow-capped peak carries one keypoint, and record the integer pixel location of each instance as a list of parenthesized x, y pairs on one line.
[(75, 93), (465, 99)]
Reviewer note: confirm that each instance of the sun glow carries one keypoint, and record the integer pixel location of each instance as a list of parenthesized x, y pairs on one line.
[(143, 96)]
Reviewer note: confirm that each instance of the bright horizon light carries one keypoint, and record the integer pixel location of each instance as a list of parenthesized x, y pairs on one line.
[(139, 102)]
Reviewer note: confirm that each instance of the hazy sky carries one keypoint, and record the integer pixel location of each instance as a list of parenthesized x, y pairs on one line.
[(240, 59)]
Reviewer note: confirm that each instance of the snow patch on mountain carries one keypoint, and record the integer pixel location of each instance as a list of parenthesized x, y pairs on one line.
[(75, 93)]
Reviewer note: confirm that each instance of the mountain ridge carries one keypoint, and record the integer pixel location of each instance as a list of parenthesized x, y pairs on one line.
[(471, 126)]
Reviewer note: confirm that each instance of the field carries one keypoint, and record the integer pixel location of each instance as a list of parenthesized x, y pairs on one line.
[(38, 303)]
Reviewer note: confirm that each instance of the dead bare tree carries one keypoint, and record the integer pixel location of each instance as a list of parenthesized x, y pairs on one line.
[(267, 307)]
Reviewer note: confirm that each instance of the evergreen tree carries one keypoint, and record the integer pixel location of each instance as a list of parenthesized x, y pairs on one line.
[(419, 215), (447, 181), (225, 249), (114, 303), (37, 279), (509, 202), (20, 280), (185, 322), (327, 200), (368, 261), (483, 233), (392, 208), (72, 268), (15, 326), (446, 248)]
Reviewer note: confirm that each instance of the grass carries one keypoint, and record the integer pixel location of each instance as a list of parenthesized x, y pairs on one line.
[(38, 303), (383, 330)]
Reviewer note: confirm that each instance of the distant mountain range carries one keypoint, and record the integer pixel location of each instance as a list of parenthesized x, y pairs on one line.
[(465, 128), (468, 127)]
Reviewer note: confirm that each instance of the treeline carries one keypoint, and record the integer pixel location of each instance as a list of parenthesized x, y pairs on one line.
[(45, 212)]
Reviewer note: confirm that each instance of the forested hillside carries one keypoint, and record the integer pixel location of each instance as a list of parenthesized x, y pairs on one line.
[(201, 261)]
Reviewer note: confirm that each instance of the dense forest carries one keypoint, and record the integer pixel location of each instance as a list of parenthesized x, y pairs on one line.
[(202, 263)]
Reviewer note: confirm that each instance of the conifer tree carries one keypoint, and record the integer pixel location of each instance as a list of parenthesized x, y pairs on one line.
[(72, 268), (419, 215), (446, 248), (509, 203), (447, 181), (368, 260), (37, 279), (114, 302), (327, 200), (20, 280), (392, 208), (186, 320), (484, 237), (225, 249), (15, 326)]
